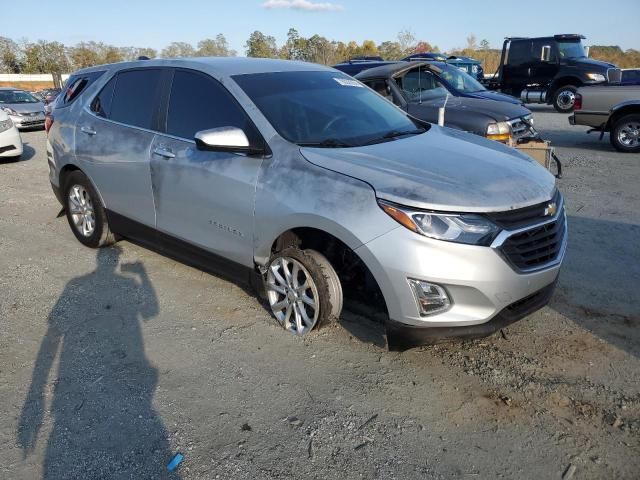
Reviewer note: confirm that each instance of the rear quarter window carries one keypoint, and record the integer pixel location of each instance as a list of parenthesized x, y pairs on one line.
[(75, 85)]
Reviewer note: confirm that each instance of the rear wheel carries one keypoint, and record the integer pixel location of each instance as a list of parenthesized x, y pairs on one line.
[(85, 213), (564, 100), (303, 290), (625, 134)]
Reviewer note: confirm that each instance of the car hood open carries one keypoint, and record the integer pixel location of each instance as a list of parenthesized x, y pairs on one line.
[(443, 169)]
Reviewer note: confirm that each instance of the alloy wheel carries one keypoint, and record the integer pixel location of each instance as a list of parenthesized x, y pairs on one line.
[(629, 134), (81, 210), (292, 295)]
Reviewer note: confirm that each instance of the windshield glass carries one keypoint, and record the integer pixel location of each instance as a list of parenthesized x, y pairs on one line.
[(324, 109), (571, 49), (16, 96), (460, 80)]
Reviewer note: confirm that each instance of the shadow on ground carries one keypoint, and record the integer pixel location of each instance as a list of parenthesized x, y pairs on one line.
[(600, 281), (103, 424)]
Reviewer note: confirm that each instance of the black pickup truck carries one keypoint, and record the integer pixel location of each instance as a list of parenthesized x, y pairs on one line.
[(548, 70)]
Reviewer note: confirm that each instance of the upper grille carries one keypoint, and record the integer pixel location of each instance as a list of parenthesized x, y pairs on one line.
[(536, 247), (522, 128), (522, 217)]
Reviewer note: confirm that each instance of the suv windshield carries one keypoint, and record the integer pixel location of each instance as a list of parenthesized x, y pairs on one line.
[(325, 109), (16, 96), (571, 49), (460, 80)]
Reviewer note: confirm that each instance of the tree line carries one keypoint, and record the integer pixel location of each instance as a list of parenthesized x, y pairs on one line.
[(54, 57)]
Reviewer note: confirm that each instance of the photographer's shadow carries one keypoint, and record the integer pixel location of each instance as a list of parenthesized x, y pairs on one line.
[(103, 421)]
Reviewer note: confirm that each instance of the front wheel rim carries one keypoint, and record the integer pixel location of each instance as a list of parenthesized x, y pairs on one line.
[(629, 135), (292, 295), (81, 210)]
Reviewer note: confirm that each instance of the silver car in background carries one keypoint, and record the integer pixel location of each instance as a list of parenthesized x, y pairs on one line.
[(301, 181), (24, 109)]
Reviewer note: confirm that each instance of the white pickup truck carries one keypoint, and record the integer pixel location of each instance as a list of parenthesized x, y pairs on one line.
[(611, 108)]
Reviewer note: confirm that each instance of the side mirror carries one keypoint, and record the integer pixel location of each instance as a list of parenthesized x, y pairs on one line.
[(225, 139), (546, 53), (586, 51)]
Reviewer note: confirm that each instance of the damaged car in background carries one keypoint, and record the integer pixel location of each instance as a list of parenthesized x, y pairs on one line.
[(417, 88), (299, 180)]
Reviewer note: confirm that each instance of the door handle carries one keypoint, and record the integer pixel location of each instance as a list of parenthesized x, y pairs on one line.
[(164, 152), (88, 130)]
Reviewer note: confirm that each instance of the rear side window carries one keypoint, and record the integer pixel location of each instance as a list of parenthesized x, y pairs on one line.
[(74, 86), (198, 102), (101, 105), (134, 101)]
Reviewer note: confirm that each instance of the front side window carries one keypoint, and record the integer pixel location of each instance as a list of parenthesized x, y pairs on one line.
[(135, 97), (422, 85), (198, 102), (460, 80), (324, 108), (16, 96)]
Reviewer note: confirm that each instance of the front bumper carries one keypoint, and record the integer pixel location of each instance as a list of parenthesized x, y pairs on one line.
[(25, 122), (482, 284), (10, 143), (401, 336)]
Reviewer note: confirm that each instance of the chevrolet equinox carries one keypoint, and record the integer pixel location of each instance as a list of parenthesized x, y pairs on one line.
[(298, 180)]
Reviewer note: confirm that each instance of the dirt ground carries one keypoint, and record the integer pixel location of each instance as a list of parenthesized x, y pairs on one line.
[(113, 361)]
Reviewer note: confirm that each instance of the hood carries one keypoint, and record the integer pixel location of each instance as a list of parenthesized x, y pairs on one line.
[(498, 111), (491, 95), (25, 107), (598, 65), (443, 169)]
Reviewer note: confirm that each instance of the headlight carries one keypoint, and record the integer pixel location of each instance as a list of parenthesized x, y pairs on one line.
[(451, 227), (500, 131), (5, 125), (10, 111), (596, 77)]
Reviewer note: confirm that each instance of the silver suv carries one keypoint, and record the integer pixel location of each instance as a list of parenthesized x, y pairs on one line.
[(299, 180)]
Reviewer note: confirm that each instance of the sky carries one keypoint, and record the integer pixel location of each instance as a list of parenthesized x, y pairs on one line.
[(149, 23)]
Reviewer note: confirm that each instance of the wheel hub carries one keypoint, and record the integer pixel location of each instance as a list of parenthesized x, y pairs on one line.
[(81, 210)]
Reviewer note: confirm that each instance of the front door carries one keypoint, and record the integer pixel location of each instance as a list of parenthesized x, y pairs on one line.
[(204, 198)]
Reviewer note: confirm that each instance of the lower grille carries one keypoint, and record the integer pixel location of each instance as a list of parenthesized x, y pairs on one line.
[(537, 247), (31, 123)]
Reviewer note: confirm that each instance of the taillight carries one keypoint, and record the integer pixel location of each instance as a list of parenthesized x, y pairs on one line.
[(577, 104), (48, 122)]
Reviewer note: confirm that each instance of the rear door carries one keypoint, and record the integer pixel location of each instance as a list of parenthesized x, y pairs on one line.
[(113, 142), (202, 197)]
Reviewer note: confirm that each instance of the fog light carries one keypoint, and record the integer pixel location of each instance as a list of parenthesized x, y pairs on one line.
[(431, 298)]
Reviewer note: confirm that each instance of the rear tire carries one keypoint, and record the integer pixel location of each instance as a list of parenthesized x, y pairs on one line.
[(303, 290), (625, 134), (564, 100), (85, 212)]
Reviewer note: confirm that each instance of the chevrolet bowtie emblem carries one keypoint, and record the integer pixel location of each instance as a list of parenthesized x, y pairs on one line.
[(551, 209)]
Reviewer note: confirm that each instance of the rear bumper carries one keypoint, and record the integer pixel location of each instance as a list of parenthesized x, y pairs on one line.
[(401, 336)]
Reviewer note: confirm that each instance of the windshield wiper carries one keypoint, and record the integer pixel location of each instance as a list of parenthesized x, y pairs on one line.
[(327, 143), (394, 134)]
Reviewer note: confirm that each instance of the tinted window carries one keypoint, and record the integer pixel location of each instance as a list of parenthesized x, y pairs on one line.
[(324, 108), (101, 105), (135, 97), (519, 53), (75, 85), (420, 85), (198, 102)]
